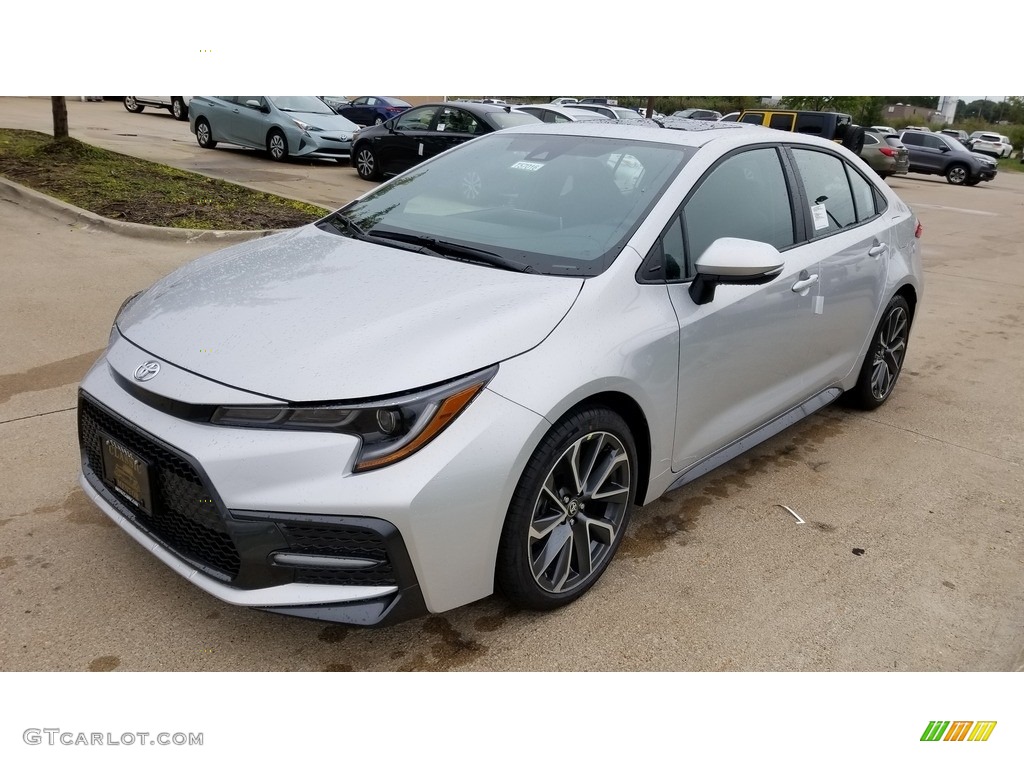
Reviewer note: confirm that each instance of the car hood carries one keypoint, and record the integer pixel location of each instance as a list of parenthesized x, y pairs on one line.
[(307, 315), (324, 122)]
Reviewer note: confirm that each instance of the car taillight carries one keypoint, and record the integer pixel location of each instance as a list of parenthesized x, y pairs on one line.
[(888, 151), (919, 229)]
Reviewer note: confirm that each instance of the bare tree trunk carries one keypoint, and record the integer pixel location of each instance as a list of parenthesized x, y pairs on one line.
[(60, 117), (650, 106)]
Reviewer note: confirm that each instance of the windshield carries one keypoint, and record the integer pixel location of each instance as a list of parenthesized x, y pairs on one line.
[(558, 204), (309, 104)]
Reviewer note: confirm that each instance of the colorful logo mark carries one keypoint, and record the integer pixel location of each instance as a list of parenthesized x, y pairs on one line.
[(958, 730)]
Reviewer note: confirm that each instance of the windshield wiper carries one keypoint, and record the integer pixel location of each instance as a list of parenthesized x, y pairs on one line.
[(345, 226), (458, 251)]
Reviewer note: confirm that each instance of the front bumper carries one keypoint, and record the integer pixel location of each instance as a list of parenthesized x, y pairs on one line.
[(276, 520), (322, 145)]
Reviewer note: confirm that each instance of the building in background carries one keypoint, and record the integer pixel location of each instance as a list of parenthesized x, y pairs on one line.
[(947, 107)]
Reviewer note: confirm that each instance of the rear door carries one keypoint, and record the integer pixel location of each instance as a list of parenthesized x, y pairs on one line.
[(850, 239)]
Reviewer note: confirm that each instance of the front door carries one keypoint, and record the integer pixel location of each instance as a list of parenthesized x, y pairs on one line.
[(743, 357)]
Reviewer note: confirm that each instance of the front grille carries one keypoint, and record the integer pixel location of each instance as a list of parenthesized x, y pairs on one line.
[(339, 541), (185, 517)]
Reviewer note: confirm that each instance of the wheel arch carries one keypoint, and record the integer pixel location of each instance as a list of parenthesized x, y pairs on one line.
[(635, 418), (909, 294)]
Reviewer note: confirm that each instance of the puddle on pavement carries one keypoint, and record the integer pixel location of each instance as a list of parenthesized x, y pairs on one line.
[(49, 376)]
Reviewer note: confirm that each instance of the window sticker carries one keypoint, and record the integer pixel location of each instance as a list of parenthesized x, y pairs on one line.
[(820, 216), (440, 126), (524, 165)]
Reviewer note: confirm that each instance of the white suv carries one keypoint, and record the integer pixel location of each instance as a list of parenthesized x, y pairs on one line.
[(993, 144)]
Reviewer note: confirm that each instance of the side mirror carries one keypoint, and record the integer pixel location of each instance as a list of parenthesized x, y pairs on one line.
[(254, 103), (734, 261), (944, 148)]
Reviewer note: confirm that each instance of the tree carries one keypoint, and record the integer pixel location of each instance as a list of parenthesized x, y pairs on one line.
[(60, 117), (865, 110)]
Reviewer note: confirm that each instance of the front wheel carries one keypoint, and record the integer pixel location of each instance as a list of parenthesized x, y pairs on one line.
[(277, 146), (569, 512), (179, 108), (957, 174), (884, 359), (366, 164), (132, 105)]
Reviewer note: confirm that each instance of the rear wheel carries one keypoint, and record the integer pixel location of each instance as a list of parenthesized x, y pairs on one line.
[(569, 512), (958, 174), (204, 134), (884, 359), (132, 105), (378, 120)]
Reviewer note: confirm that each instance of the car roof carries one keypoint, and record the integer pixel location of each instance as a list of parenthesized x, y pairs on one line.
[(476, 107), (681, 131)]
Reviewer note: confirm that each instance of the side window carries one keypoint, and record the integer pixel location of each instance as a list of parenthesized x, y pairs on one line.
[(416, 119), (932, 142), (782, 122), (456, 121), (362, 101), (863, 195), (672, 251), (745, 196), (910, 138), (829, 199), (756, 118), (869, 140), (812, 123)]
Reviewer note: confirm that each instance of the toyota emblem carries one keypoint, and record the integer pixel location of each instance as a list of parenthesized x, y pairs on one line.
[(147, 370)]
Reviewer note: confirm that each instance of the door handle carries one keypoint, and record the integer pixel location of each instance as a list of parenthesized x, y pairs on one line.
[(802, 285), (877, 250)]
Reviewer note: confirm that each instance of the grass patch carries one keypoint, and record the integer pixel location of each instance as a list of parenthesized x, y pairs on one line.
[(129, 189), (1012, 164)]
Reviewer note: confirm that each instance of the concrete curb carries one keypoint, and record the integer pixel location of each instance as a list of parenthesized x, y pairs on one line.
[(72, 214)]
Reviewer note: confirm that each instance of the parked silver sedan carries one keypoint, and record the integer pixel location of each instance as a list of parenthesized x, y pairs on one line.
[(284, 126), (422, 396)]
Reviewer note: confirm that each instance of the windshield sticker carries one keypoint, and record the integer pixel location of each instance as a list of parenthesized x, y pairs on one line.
[(524, 165), (820, 216)]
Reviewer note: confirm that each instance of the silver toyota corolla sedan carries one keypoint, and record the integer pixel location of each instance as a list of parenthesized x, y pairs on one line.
[(465, 379)]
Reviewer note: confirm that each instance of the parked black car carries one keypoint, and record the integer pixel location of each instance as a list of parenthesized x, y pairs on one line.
[(422, 132), (942, 155)]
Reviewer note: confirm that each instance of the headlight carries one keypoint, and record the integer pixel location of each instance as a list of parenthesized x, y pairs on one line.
[(390, 429), (306, 127)]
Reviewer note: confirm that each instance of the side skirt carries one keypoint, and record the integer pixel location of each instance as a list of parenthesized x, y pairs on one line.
[(759, 435)]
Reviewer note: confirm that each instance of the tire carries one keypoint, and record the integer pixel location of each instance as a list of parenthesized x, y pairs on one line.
[(132, 105), (883, 175), (884, 359), (561, 533), (366, 163), (179, 108), (853, 139), (204, 134), (958, 174), (378, 120), (277, 145)]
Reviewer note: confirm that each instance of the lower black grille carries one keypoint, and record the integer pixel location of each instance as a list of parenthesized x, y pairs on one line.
[(185, 516), (340, 541)]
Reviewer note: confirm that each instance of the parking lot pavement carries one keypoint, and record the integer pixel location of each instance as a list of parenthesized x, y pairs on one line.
[(155, 135), (910, 557)]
